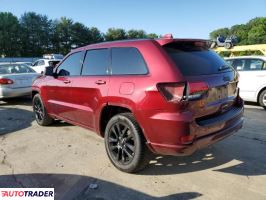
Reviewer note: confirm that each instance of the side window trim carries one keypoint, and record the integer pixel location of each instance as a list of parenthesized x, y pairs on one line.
[(249, 61), (144, 61), (243, 63), (108, 70), (263, 62), (263, 65), (82, 51)]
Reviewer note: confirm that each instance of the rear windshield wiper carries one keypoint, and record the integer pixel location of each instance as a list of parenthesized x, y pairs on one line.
[(224, 67)]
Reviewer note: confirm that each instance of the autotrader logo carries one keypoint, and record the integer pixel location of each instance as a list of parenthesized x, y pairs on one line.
[(27, 193)]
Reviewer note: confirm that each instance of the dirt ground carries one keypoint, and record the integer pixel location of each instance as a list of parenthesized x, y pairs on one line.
[(73, 161)]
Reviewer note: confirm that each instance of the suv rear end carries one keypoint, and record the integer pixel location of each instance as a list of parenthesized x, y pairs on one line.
[(200, 107)]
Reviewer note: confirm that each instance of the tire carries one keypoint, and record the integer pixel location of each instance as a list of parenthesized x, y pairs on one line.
[(227, 45), (41, 116), (125, 143), (262, 99)]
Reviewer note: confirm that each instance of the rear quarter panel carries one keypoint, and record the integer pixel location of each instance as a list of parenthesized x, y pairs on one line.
[(139, 93)]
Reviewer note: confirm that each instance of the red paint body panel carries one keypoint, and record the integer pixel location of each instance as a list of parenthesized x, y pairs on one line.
[(165, 125)]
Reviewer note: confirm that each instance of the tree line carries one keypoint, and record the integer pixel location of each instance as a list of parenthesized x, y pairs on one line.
[(253, 32), (33, 35)]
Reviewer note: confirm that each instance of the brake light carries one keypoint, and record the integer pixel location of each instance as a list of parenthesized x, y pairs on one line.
[(168, 36), (173, 92), (196, 90), (188, 139), (5, 81), (176, 92)]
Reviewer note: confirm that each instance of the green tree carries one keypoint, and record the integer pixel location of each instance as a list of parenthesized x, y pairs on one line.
[(64, 34), (253, 32), (115, 34), (80, 35), (241, 32), (95, 35), (54, 37), (35, 34), (222, 31), (9, 35), (257, 30), (136, 34), (152, 36), (257, 35)]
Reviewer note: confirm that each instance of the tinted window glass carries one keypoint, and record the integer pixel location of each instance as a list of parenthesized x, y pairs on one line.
[(195, 59), (96, 62), (238, 64), (35, 64), (41, 62), (127, 61), (253, 64), (71, 65), (264, 66), (247, 64)]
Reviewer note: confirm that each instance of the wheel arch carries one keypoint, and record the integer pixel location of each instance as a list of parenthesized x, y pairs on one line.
[(110, 110), (33, 93), (107, 112), (258, 93)]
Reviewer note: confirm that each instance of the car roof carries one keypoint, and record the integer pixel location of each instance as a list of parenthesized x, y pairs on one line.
[(116, 43), (246, 57), (134, 42)]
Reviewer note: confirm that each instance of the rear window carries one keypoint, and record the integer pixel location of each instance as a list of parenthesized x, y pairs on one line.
[(193, 59), (127, 61)]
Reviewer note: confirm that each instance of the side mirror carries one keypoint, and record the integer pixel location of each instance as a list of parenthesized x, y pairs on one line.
[(49, 71)]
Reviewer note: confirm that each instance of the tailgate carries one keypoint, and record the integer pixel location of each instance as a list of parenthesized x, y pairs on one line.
[(202, 66), (221, 94)]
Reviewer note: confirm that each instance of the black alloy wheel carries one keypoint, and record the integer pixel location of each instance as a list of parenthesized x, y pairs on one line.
[(121, 143), (125, 144), (41, 116)]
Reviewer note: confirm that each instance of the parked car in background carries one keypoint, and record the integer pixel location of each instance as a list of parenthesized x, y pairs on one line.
[(169, 96), (53, 56), (226, 42), (40, 65), (252, 82), (26, 63), (16, 80)]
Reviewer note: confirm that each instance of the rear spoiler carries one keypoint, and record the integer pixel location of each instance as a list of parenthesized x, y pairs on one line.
[(198, 42)]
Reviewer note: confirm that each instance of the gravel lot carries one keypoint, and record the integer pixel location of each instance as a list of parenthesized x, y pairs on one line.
[(73, 160)]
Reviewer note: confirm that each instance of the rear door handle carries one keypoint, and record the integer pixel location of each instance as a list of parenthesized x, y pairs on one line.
[(66, 81), (100, 82)]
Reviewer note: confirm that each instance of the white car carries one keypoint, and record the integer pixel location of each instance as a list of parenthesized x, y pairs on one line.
[(53, 56), (252, 81), (40, 65)]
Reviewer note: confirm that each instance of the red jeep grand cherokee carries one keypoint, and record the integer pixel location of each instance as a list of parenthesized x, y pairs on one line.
[(169, 96)]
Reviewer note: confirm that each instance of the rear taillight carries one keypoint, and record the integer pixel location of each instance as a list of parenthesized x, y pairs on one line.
[(5, 81), (196, 90), (176, 92), (173, 92)]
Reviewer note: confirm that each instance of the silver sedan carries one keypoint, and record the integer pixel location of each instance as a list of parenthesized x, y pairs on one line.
[(16, 80)]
